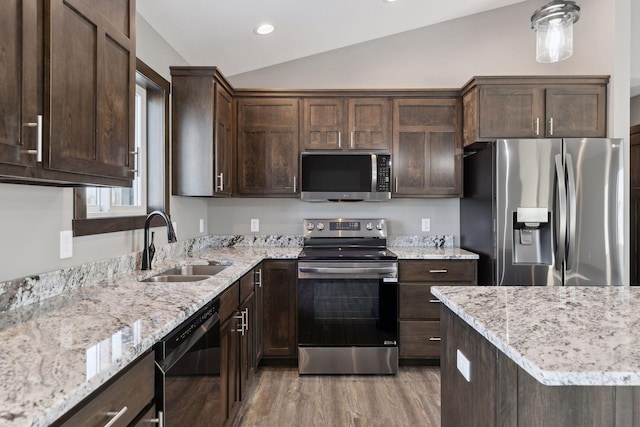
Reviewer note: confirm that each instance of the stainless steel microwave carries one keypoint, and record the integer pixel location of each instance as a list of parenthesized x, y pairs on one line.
[(345, 177)]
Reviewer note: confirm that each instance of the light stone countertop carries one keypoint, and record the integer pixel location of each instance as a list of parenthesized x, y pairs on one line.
[(405, 252), (57, 351), (560, 335)]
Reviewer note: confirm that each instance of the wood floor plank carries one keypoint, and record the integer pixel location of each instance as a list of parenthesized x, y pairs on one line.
[(284, 398)]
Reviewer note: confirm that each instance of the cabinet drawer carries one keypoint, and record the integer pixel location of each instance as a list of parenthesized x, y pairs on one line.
[(416, 302), (133, 389), (229, 301), (420, 339), (437, 271), (247, 285)]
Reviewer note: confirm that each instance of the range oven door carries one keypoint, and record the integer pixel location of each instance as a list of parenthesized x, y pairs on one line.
[(347, 304)]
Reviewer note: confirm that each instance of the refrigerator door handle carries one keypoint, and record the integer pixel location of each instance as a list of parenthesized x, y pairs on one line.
[(562, 207), (571, 220)]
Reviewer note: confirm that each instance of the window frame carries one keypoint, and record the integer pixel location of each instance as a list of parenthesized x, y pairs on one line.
[(158, 90)]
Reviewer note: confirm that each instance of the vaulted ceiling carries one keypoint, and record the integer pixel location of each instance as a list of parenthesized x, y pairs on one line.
[(220, 32)]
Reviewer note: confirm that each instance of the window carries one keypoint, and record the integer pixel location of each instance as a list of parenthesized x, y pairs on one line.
[(104, 210), (125, 201)]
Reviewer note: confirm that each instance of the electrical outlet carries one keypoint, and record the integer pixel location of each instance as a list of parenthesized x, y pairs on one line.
[(66, 244), (426, 224), (464, 366), (201, 225), (255, 225)]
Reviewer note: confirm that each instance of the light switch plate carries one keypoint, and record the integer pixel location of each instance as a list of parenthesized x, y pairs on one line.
[(426, 224), (255, 225), (201, 225), (66, 244), (464, 365)]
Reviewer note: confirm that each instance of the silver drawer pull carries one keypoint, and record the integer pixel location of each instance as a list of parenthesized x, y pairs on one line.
[(116, 416), (435, 339), (434, 301), (438, 271), (159, 420)]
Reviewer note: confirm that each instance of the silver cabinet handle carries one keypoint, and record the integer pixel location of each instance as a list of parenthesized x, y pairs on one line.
[(537, 126), (38, 150), (295, 184), (435, 339), (258, 280), (434, 301), (159, 420), (351, 140), (245, 312), (396, 183), (220, 177), (116, 416), (551, 126), (339, 139), (438, 271), (241, 318), (134, 171)]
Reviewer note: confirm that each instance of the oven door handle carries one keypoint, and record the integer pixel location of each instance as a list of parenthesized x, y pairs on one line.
[(348, 270), (183, 348)]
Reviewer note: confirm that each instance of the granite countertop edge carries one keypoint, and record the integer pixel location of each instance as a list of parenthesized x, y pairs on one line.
[(578, 375)]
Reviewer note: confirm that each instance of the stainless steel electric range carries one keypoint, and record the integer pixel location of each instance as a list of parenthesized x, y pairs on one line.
[(347, 298)]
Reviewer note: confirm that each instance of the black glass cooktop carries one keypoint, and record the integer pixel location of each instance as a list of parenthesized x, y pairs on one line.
[(346, 253)]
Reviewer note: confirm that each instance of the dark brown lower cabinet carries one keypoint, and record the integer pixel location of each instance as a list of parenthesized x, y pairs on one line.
[(130, 394), (500, 393), (280, 309)]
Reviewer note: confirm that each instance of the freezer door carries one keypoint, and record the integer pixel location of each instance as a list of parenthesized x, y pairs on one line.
[(595, 217), (526, 178)]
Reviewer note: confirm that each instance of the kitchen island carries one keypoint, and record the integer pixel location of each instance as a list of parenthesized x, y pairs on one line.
[(552, 356)]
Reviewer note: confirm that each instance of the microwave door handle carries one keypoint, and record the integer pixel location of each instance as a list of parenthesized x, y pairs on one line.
[(374, 172)]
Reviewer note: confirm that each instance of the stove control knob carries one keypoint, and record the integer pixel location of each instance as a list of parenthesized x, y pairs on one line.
[(310, 226), (320, 226), (379, 226), (369, 226)]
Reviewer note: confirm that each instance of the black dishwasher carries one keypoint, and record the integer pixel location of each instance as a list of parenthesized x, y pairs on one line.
[(188, 371)]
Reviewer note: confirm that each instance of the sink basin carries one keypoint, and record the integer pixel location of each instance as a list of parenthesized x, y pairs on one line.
[(194, 270), (164, 278)]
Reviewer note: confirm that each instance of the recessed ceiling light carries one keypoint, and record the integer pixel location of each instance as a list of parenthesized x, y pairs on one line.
[(264, 29)]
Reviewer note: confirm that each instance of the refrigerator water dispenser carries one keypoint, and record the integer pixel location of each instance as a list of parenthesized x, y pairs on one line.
[(532, 236)]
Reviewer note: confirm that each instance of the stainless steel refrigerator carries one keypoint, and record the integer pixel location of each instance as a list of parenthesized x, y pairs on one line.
[(545, 212)]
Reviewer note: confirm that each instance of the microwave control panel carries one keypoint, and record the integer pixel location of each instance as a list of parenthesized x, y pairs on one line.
[(384, 173)]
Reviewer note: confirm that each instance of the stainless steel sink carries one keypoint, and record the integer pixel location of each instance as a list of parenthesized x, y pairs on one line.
[(163, 278), (191, 270), (187, 273)]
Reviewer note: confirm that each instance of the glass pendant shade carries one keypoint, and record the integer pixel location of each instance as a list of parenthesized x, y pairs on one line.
[(553, 25)]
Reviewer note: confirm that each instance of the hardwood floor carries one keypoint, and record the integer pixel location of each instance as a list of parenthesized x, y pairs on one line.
[(283, 398)]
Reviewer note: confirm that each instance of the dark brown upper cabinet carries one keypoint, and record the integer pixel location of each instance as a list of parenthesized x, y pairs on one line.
[(427, 147), (70, 117), (346, 123), (534, 107), (267, 143), (203, 126)]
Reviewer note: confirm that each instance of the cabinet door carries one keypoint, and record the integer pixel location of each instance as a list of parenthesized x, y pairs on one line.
[(576, 111), (280, 309), (323, 124), (369, 124), (247, 346), (90, 87), (511, 112), (268, 146), (427, 147), (223, 141), (229, 365), (19, 66)]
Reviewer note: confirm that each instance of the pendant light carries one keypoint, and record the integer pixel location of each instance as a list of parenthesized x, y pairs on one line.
[(553, 24)]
